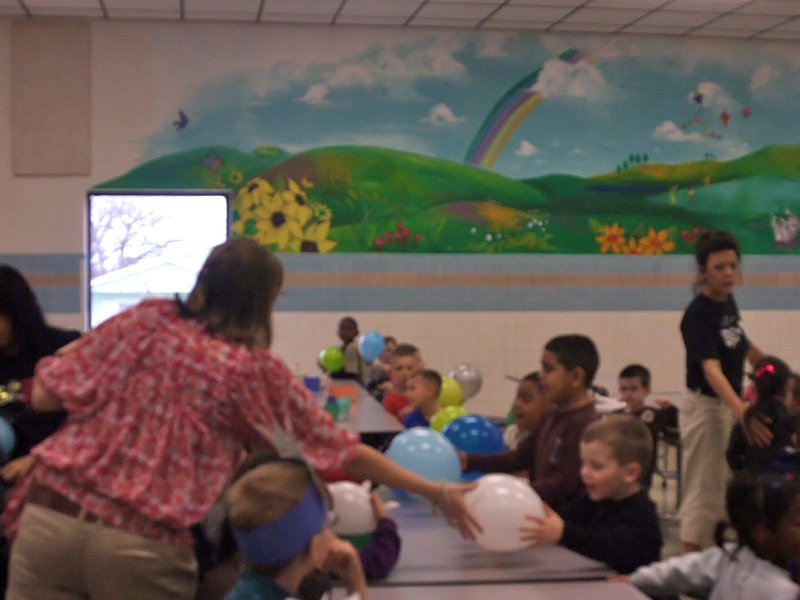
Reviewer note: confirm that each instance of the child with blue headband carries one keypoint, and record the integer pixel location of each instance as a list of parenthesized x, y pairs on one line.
[(277, 512)]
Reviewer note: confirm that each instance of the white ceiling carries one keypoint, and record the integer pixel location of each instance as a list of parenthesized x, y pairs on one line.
[(757, 19)]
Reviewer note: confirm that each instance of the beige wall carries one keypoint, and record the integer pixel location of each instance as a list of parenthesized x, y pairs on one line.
[(46, 215)]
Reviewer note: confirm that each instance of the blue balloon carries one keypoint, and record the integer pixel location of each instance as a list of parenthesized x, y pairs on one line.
[(8, 439), (427, 453), (370, 345), (474, 434)]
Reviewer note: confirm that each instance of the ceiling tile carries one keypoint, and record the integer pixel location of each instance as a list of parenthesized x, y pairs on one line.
[(569, 3), (385, 8), (77, 8), (640, 4), (520, 24), (618, 16), (746, 21), (234, 10), (142, 9), (772, 7), (445, 22), (778, 35), (675, 18), (513, 12), (301, 7), (654, 29), (344, 19), (717, 32), (271, 17), (585, 27), (448, 10), (717, 6), (793, 25)]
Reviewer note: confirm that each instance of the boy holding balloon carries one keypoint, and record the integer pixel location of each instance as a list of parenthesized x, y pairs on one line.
[(550, 453), (422, 392), (615, 521)]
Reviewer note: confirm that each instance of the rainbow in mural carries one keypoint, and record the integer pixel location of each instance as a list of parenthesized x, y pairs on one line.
[(508, 113)]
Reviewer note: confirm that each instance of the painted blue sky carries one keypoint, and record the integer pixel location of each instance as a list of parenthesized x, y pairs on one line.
[(430, 93)]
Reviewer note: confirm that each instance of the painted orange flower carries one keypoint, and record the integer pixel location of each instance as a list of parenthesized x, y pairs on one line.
[(657, 242), (632, 247), (612, 238)]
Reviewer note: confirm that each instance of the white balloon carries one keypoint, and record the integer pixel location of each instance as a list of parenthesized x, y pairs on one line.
[(500, 502), (354, 515)]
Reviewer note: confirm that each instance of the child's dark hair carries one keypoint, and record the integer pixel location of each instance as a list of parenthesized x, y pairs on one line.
[(636, 370), (533, 377), (432, 377), (404, 350), (770, 376), (574, 351), (715, 241), (757, 498)]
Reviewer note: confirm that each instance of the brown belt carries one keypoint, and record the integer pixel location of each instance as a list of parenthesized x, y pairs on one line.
[(45, 496)]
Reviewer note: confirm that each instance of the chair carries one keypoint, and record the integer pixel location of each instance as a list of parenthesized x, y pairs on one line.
[(669, 459)]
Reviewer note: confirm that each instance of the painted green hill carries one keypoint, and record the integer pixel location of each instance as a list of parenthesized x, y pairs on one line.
[(204, 167)]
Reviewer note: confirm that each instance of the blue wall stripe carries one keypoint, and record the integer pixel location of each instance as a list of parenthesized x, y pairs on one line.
[(502, 298), (44, 263), (67, 298)]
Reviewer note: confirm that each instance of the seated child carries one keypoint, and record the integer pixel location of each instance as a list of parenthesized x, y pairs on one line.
[(422, 393), (277, 513), (550, 453), (378, 380), (793, 394), (405, 360), (615, 521), (634, 388), (355, 367), (764, 511), (771, 378), (528, 409)]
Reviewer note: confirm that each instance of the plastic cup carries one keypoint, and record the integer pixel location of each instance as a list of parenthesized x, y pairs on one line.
[(312, 383), (343, 404)]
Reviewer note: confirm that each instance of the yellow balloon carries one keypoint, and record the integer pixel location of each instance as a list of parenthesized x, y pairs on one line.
[(447, 414), (450, 394)]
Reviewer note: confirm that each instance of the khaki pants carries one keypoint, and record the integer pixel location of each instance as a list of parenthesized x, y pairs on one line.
[(58, 557), (705, 424)]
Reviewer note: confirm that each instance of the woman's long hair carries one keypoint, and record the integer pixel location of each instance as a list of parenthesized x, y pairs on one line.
[(19, 304), (235, 291)]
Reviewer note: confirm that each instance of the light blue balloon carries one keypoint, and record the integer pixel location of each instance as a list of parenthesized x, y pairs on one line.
[(8, 439), (427, 453), (370, 345)]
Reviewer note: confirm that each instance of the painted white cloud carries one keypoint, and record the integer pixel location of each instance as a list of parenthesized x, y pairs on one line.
[(713, 95), (526, 149), (763, 75), (441, 114), (670, 132), (315, 95), (560, 78)]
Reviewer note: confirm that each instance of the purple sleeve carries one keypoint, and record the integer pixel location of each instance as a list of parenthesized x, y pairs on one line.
[(509, 461), (381, 554)]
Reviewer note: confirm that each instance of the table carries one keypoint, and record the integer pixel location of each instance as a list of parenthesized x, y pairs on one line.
[(596, 590), (434, 554), (368, 418)]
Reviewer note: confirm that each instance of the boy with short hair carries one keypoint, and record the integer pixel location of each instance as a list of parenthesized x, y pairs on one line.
[(405, 361), (550, 453), (634, 388), (277, 513), (615, 521), (355, 367), (422, 393)]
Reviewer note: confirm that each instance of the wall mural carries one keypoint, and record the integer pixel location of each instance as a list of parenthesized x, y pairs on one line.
[(497, 143)]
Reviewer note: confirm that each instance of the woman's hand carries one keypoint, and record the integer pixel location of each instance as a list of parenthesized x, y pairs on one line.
[(13, 469), (451, 503), (543, 531)]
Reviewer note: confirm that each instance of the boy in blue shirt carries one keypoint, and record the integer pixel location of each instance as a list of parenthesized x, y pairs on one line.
[(422, 392)]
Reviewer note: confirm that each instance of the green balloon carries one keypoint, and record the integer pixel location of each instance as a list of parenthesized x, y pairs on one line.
[(447, 414), (331, 359)]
